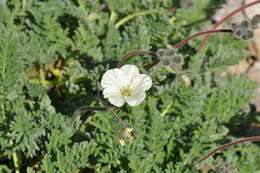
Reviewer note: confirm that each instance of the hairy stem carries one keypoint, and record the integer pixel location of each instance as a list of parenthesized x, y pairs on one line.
[(83, 110), (109, 109), (226, 18), (86, 109), (118, 119), (222, 147), (125, 57)]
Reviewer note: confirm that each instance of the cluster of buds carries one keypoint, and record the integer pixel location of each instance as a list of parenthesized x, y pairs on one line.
[(245, 30), (169, 57)]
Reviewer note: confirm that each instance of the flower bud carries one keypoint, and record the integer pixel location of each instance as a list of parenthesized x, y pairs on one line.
[(125, 136), (186, 80), (255, 23)]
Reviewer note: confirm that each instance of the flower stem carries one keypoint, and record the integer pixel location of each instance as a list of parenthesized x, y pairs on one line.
[(226, 18), (186, 40), (118, 119), (141, 13), (222, 147), (125, 57), (83, 110)]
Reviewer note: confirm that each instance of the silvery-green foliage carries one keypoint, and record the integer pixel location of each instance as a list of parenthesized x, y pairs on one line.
[(52, 57)]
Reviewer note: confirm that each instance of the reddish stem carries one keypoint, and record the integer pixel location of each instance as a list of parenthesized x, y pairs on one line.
[(185, 41), (226, 18), (222, 147)]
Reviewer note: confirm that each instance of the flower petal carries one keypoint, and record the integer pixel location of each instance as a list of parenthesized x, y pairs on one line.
[(110, 78), (111, 91), (116, 100), (135, 99), (129, 72), (141, 82), (147, 82)]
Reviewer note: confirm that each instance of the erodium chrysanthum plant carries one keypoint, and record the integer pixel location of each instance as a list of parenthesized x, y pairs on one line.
[(116, 86)]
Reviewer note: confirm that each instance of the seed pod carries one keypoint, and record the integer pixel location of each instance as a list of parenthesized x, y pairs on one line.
[(239, 30), (171, 51), (165, 61), (177, 60), (244, 25), (165, 55), (248, 34), (237, 34), (243, 30), (160, 53)]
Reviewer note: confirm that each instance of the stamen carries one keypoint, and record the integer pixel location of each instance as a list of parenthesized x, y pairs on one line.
[(126, 92)]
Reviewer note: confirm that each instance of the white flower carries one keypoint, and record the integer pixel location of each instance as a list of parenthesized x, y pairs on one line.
[(125, 84)]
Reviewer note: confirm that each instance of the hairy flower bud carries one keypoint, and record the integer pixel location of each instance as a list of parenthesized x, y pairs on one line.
[(125, 136), (169, 57), (255, 23), (245, 30)]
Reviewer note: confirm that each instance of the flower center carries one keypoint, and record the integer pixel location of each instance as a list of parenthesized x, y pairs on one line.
[(126, 91)]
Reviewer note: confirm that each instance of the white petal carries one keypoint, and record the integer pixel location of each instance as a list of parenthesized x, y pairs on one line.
[(141, 82), (111, 91), (129, 73), (117, 101), (135, 99), (147, 82), (110, 78)]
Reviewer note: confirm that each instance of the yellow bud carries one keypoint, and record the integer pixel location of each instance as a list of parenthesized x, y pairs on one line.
[(186, 80)]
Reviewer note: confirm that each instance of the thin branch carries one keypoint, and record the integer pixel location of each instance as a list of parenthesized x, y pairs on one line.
[(222, 147), (185, 41), (109, 109), (119, 120), (150, 65), (125, 57), (83, 110), (226, 18)]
